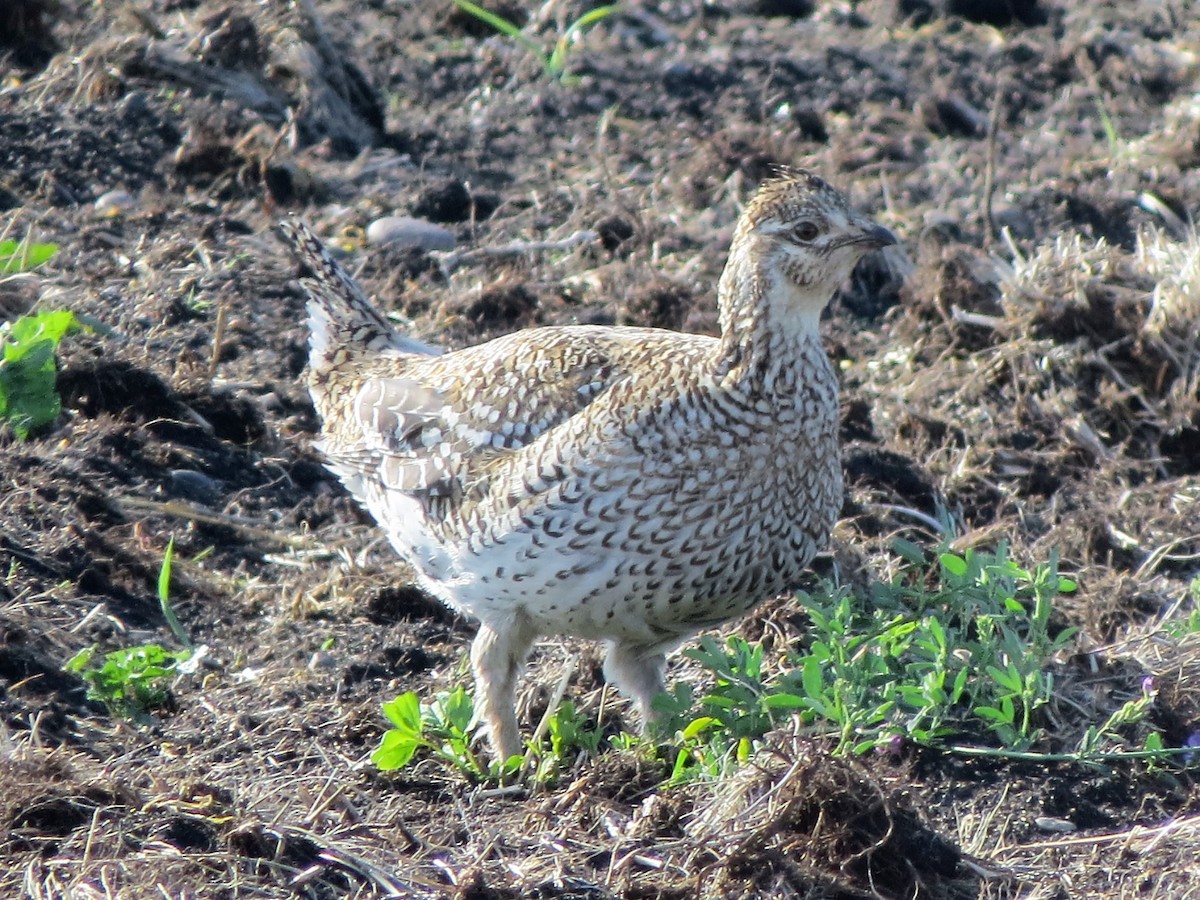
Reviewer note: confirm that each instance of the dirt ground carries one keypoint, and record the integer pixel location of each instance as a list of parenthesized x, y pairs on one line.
[(1027, 361)]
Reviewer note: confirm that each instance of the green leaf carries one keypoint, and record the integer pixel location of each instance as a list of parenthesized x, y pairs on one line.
[(591, 17), (80, 660), (908, 551), (863, 747), (558, 59), (21, 256), (498, 22), (699, 726), (953, 564), (814, 681), (28, 399), (993, 714), (458, 709), (395, 750), (960, 683), (505, 27), (404, 713), (683, 760), (744, 748), (1009, 679), (51, 326), (782, 701), (164, 595)]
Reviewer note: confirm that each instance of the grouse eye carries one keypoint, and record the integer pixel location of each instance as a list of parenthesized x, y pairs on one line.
[(806, 231)]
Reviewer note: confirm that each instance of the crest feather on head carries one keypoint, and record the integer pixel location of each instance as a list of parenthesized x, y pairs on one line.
[(789, 193)]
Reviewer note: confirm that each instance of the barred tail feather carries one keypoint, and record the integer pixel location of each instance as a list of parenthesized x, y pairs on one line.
[(339, 314)]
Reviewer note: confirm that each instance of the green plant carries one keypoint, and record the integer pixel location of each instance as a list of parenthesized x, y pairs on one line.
[(1111, 136), (964, 645), (28, 399), (569, 735), (444, 729), (1132, 712), (1178, 625), (554, 62), (129, 682), (134, 680), (22, 256), (164, 595)]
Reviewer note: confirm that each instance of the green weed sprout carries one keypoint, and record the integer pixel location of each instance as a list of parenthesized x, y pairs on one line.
[(445, 730), (130, 682), (554, 62), (17, 257), (28, 398), (135, 680), (164, 595)]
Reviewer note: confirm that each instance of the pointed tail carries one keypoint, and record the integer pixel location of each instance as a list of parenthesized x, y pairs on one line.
[(339, 314)]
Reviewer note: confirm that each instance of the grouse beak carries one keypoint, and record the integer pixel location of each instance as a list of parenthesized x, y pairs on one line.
[(875, 237)]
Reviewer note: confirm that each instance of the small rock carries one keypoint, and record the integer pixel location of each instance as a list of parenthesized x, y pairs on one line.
[(115, 203), (194, 486), (322, 659), (1019, 223), (952, 115), (405, 231), (134, 105), (270, 401), (1052, 823)]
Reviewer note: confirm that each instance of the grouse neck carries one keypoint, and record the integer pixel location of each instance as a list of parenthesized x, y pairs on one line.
[(769, 325)]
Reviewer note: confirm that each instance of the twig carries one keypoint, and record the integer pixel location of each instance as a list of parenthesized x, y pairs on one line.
[(1153, 205), (1033, 756), (926, 519), (1137, 832), (181, 510), (979, 320), (387, 883), (989, 169), (218, 336), (452, 261), (1162, 553), (555, 699)]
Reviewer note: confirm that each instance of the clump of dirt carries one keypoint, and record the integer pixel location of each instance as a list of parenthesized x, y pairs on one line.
[(832, 821), (659, 304)]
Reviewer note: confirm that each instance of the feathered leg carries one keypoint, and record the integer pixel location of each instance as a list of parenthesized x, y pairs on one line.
[(497, 656), (639, 673)]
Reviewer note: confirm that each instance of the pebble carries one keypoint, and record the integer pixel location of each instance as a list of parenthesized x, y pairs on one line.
[(1054, 824), (322, 660), (194, 486), (115, 203), (405, 231), (249, 675), (1016, 220)]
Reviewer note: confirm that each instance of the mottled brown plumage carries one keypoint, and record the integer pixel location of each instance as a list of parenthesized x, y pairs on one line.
[(623, 484)]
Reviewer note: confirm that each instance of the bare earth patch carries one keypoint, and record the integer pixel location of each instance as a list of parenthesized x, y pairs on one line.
[(1026, 364)]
